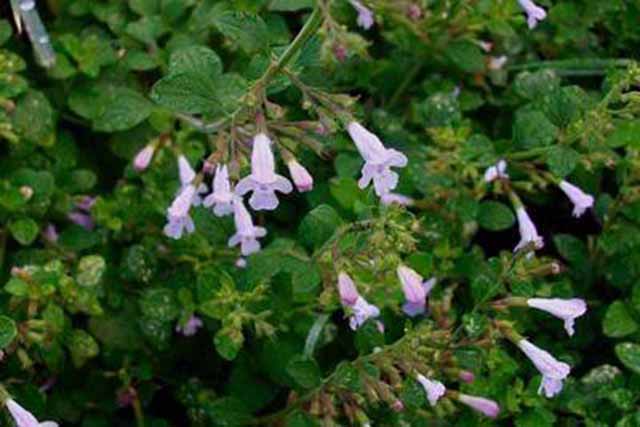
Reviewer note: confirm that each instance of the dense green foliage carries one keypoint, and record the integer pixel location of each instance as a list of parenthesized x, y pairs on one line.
[(96, 300)]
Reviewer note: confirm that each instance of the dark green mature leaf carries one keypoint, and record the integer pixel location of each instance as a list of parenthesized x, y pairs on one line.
[(123, 109), (8, 331), (319, 225), (495, 216), (562, 160), (466, 56), (629, 355), (618, 321), (249, 31), (187, 93), (196, 60), (290, 5), (34, 118), (24, 230), (533, 129)]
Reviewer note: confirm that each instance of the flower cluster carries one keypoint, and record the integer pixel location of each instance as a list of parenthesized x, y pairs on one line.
[(264, 183)]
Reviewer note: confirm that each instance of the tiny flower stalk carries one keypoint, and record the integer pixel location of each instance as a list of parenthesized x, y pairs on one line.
[(378, 160), (263, 182), (581, 200)]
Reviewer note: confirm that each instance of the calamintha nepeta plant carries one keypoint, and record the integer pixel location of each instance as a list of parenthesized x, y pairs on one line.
[(383, 304)]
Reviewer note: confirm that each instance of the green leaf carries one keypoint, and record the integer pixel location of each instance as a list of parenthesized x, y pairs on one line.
[(319, 225), (290, 5), (8, 331), (533, 129), (34, 118), (24, 230), (249, 31), (536, 417), (90, 270), (304, 371), (618, 321), (466, 56), (186, 92), (625, 134), (531, 85), (123, 109), (495, 216), (629, 355), (82, 347), (562, 160), (196, 60), (571, 248), (159, 304), (228, 343)]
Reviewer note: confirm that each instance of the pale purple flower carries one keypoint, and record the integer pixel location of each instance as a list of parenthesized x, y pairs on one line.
[(247, 234), (142, 160), (433, 388), (485, 406), (553, 371), (378, 160), (565, 309), (496, 171), (467, 376), (24, 418), (528, 231), (50, 233), (82, 219), (347, 290), (190, 328), (365, 15), (300, 175), (485, 46), (241, 262), (395, 198), (415, 290), (361, 310), (178, 226), (497, 62), (186, 172), (263, 181), (222, 197), (581, 200), (534, 12), (85, 203)]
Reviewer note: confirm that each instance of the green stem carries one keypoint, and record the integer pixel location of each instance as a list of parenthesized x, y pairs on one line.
[(575, 65), (309, 28), (3, 246), (137, 410)]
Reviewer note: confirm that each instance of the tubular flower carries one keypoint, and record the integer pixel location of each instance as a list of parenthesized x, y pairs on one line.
[(496, 171), (487, 407), (143, 158), (553, 371), (534, 12), (24, 418), (581, 200), (361, 310), (300, 175), (365, 15), (247, 234), (434, 389), (179, 220), (378, 160), (190, 327), (415, 290), (222, 197), (263, 181), (565, 309), (528, 231)]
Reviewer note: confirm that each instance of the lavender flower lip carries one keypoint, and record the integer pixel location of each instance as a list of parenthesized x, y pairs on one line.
[(378, 160), (263, 181)]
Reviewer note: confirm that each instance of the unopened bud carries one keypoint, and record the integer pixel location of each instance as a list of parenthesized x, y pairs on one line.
[(26, 191)]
